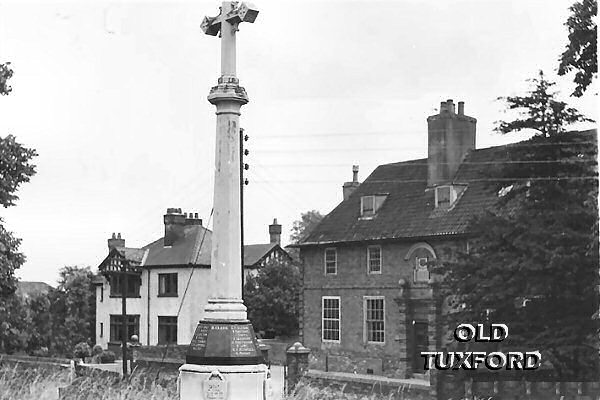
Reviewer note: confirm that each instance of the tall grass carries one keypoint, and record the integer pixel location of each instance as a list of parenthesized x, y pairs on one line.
[(27, 383), (17, 383)]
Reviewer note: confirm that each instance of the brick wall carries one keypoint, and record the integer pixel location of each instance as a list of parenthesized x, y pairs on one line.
[(351, 284)]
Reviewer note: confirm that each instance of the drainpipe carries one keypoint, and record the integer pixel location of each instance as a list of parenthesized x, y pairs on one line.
[(148, 313)]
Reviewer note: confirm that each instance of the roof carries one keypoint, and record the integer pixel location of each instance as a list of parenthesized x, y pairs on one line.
[(194, 248), (28, 289), (408, 211)]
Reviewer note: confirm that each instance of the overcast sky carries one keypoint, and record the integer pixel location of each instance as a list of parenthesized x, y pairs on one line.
[(113, 97)]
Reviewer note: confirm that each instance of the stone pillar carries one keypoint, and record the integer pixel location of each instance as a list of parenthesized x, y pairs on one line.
[(223, 361), (402, 333), (297, 364), (434, 334)]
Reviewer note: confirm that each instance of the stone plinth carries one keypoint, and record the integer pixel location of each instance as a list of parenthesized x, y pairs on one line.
[(231, 382), (224, 343)]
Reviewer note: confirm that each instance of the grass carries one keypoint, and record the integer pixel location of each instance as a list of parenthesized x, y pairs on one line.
[(19, 383), (27, 383)]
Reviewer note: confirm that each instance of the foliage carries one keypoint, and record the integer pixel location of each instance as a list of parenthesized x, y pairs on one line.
[(72, 307), (5, 74), (533, 260), (97, 350), (539, 110), (43, 383), (581, 53), (272, 298), (107, 357), (82, 350), (14, 324), (38, 307), (302, 227)]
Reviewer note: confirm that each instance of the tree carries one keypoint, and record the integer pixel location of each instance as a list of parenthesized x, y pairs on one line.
[(539, 110), (5, 73), (72, 309), (302, 228), (272, 298), (580, 54), (533, 259), (15, 169), (14, 324), (40, 332)]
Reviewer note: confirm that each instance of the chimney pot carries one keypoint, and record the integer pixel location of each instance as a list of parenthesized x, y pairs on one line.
[(115, 241), (449, 139), (196, 216), (275, 232), (349, 187), (174, 226)]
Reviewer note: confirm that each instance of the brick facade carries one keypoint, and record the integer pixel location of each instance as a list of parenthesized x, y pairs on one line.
[(404, 302)]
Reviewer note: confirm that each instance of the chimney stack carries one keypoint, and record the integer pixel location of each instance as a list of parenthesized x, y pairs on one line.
[(349, 187), (192, 219), (174, 226), (115, 241), (275, 232), (450, 137)]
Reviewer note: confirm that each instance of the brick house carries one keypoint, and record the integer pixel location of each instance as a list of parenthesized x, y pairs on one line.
[(368, 303), (160, 272)]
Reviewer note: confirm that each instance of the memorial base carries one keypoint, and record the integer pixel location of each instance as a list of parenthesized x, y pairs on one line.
[(223, 382)]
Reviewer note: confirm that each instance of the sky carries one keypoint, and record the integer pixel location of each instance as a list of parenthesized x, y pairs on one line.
[(112, 95)]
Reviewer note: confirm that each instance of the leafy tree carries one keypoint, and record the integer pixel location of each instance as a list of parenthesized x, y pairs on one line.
[(539, 110), (15, 169), (302, 227), (272, 298), (38, 309), (72, 309), (580, 54), (5, 73), (533, 259), (14, 324)]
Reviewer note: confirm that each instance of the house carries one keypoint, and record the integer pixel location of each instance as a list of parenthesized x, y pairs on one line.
[(160, 275), (28, 289), (368, 303)]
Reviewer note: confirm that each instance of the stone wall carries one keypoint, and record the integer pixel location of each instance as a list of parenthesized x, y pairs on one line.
[(390, 389)]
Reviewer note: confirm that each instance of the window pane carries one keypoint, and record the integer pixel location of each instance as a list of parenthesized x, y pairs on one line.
[(331, 319), (368, 205), (375, 320)]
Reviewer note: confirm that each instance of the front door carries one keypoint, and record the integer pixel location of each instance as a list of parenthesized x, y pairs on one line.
[(421, 343)]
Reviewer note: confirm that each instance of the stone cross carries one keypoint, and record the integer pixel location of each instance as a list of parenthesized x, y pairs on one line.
[(232, 13), (225, 300)]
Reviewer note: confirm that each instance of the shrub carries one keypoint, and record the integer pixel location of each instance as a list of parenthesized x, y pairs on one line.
[(82, 350), (107, 357), (97, 350)]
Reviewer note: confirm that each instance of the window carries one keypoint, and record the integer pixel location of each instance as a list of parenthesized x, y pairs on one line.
[(101, 329), (101, 293), (421, 270), (167, 285), (167, 330), (133, 285), (374, 259), (374, 314), (367, 205), (133, 327), (331, 319), (330, 261)]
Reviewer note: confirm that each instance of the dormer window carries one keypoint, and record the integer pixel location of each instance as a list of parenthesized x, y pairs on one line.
[(369, 205), (447, 195)]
